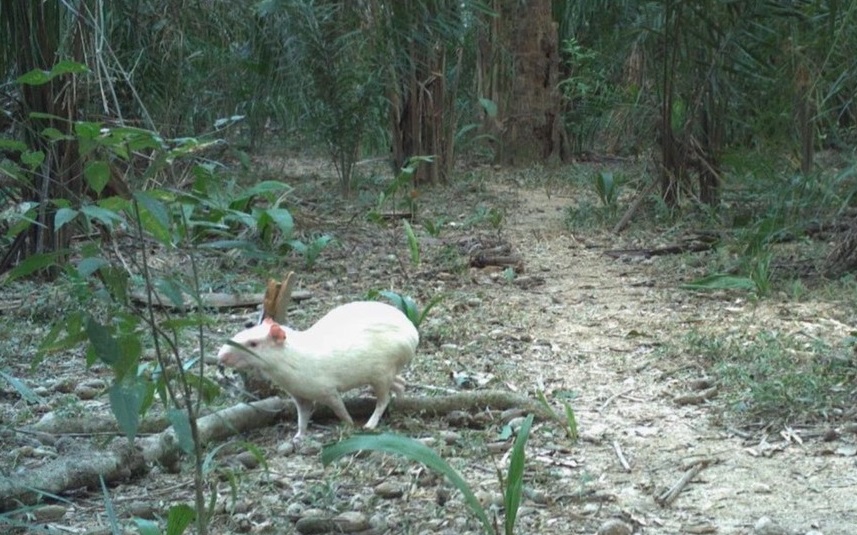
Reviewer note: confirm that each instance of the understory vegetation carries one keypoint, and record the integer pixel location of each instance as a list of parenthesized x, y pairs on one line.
[(158, 156)]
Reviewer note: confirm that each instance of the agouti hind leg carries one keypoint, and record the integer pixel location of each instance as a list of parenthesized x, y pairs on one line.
[(334, 401), (304, 407)]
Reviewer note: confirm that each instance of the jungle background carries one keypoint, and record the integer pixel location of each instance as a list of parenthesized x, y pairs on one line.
[(634, 220)]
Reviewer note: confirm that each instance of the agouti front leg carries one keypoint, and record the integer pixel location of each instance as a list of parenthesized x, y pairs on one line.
[(304, 407), (382, 393)]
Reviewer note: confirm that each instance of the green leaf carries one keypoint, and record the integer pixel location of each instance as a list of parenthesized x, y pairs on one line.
[(515, 477), (267, 186), (63, 216), (283, 220), (21, 388), (90, 265), (126, 400), (32, 158), (39, 77), (97, 175), (413, 243), (130, 351), (146, 527), (181, 426), (106, 216), (32, 264), (104, 345), (489, 106), (411, 449), (172, 291), (12, 145), (154, 216), (179, 518)]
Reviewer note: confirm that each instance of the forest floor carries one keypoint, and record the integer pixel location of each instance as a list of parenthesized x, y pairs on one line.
[(608, 336)]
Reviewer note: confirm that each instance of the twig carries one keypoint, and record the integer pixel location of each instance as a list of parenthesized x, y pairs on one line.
[(670, 495), (614, 396), (622, 460)]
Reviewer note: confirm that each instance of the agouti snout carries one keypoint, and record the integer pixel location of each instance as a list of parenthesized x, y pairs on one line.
[(353, 345)]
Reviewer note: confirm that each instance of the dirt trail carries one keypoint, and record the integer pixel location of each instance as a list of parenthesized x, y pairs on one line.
[(605, 319)]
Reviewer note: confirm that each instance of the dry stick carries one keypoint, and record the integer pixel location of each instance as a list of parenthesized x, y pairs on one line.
[(634, 205), (614, 396), (618, 449), (670, 495)]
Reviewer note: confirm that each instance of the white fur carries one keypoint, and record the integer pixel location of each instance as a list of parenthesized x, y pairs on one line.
[(357, 344)]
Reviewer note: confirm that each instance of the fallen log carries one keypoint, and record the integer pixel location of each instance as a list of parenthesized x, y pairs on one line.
[(122, 461)]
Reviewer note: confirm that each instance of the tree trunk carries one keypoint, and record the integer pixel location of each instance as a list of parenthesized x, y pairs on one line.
[(529, 117)]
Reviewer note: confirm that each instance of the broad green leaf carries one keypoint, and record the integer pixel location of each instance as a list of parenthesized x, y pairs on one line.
[(515, 477), (12, 145), (32, 264), (154, 216), (126, 399), (39, 77), (130, 350), (88, 129), (267, 186), (32, 158), (489, 106), (173, 292), (63, 216), (90, 265), (416, 451), (146, 527), (97, 175), (181, 427), (53, 134), (104, 345), (179, 518), (116, 281), (105, 216), (283, 219), (21, 388)]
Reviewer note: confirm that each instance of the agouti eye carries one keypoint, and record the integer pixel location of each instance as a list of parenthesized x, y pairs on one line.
[(252, 344)]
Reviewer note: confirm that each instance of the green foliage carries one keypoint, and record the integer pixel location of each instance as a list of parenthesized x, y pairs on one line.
[(607, 189), (401, 192), (772, 375), (512, 486), (413, 243), (310, 250), (407, 305)]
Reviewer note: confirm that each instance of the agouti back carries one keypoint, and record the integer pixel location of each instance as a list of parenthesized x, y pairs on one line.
[(356, 344)]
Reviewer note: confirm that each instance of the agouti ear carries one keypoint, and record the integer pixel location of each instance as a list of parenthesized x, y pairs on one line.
[(277, 333)]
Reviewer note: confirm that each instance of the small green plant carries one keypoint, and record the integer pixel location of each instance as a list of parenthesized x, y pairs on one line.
[(400, 192), (434, 227), (570, 418), (407, 305), (413, 243), (310, 250), (607, 189), (512, 486)]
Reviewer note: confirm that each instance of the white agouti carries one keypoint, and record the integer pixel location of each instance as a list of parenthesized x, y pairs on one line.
[(353, 345)]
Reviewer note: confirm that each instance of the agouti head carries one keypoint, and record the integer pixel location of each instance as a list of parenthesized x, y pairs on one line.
[(255, 343)]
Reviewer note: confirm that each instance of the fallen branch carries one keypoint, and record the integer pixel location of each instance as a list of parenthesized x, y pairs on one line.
[(122, 461), (212, 300), (668, 496)]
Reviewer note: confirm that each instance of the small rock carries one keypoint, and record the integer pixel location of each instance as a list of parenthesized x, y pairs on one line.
[(247, 459), (766, 526), (615, 526), (389, 490), (295, 511), (143, 510), (813, 532), (450, 437), (474, 302), (351, 521), (459, 418), (448, 347), (49, 513), (86, 392), (241, 507), (287, 447)]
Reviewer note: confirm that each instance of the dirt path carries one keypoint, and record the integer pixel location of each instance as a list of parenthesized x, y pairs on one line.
[(605, 319)]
